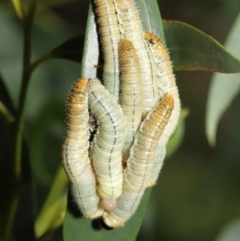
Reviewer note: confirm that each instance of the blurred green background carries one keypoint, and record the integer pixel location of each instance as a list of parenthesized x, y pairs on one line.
[(198, 191)]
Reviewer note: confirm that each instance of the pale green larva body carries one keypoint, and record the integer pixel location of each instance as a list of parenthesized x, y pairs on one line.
[(106, 148), (131, 28), (166, 81), (131, 92), (140, 163), (75, 158), (110, 37)]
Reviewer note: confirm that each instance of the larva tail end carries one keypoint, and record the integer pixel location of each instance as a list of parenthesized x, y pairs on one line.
[(151, 184), (111, 222), (95, 215), (108, 204)]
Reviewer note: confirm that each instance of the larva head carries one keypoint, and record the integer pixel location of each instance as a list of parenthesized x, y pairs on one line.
[(155, 42), (108, 204), (127, 55), (151, 37), (168, 101), (80, 85), (125, 44)]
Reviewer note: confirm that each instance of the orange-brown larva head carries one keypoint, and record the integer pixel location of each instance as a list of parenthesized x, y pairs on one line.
[(154, 39), (80, 85), (125, 44), (150, 37), (168, 101)]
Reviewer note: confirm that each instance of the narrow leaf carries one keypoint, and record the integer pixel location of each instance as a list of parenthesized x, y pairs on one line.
[(5, 99), (19, 9), (231, 232), (177, 137), (191, 49), (78, 228), (72, 49), (52, 212), (223, 88)]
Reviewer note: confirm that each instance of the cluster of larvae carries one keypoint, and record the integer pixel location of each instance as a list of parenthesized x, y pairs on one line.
[(136, 109)]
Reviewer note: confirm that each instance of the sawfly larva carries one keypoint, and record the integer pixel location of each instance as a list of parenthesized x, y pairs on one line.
[(166, 81), (131, 28), (110, 37), (75, 158), (107, 144), (130, 91), (139, 165)]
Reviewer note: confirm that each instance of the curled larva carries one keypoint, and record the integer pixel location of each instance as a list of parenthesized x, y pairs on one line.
[(107, 144), (166, 81), (75, 152), (139, 165), (131, 28), (131, 91), (110, 37)]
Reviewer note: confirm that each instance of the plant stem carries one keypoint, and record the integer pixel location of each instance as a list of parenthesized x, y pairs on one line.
[(15, 176)]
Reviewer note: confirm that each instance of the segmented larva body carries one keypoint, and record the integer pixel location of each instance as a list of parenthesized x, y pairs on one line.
[(139, 165), (157, 165), (75, 158), (131, 91), (107, 144), (131, 28), (110, 37), (166, 81)]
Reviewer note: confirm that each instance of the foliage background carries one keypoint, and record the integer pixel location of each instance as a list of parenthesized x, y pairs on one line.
[(197, 194)]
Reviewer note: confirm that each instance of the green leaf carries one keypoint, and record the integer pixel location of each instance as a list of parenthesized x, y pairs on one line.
[(52, 213), (231, 232), (72, 49), (76, 228), (191, 49), (223, 88), (79, 228), (7, 107), (177, 137), (19, 9)]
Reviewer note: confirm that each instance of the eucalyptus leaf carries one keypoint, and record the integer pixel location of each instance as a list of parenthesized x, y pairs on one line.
[(19, 8), (177, 137), (79, 228), (223, 88), (6, 99), (191, 49), (52, 211), (231, 232), (72, 49)]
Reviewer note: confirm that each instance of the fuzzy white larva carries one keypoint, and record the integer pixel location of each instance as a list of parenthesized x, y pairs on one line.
[(131, 28), (75, 158), (166, 81), (107, 144), (130, 92), (110, 37), (139, 165)]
